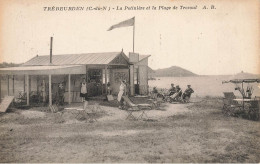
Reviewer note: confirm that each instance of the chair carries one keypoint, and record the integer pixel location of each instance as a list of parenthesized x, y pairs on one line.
[(92, 113), (136, 107), (57, 113), (154, 95), (21, 99), (186, 99), (54, 108), (229, 104), (157, 102), (253, 112), (177, 97), (81, 113), (91, 116)]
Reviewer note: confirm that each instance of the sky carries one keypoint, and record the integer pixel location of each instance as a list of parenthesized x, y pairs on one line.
[(224, 40)]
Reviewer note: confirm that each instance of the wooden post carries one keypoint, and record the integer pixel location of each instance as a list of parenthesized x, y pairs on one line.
[(102, 77), (134, 36), (51, 51), (13, 85), (132, 85), (86, 74), (27, 90), (37, 84), (7, 85), (243, 95), (69, 89), (106, 78), (0, 89), (30, 84), (24, 83), (50, 94)]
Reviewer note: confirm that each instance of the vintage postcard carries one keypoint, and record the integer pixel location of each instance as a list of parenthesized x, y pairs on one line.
[(127, 81)]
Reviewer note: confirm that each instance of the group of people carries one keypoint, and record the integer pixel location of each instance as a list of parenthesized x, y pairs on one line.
[(121, 93), (175, 93)]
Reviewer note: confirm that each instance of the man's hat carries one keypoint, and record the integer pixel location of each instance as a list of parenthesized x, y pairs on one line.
[(188, 85)]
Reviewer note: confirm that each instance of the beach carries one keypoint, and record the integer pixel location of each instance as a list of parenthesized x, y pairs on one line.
[(193, 132)]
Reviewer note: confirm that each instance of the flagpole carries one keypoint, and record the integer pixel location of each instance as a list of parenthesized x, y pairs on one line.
[(134, 36)]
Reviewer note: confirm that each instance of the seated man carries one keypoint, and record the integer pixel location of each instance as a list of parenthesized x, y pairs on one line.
[(177, 94), (155, 90), (154, 93), (172, 90), (187, 93)]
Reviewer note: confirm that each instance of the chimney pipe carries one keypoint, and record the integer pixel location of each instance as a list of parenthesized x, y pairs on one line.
[(51, 51)]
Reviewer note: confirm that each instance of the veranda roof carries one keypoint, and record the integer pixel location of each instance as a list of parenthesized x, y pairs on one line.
[(242, 81), (44, 70), (77, 59)]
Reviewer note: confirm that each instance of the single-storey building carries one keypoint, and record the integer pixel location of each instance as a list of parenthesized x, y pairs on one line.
[(44, 73)]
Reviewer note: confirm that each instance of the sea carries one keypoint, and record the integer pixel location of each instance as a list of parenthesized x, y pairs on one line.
[(203, 85)]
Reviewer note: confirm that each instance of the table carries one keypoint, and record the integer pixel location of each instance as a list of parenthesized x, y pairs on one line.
[(247, 103), (244, 100), (131, 116)]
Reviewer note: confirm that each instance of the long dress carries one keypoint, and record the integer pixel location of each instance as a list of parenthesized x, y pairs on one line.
[(121, 92), (83, 91)]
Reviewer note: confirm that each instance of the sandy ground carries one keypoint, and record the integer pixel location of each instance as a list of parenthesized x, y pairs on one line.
[(195, 132)]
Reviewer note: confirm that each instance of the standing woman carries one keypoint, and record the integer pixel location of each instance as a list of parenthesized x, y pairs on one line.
[(121, 93), (84, 93)]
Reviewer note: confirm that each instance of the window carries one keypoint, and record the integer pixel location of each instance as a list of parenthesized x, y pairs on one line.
[(104, 75), (95, 75)]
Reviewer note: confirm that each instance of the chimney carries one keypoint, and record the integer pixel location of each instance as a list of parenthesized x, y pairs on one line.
[(51, 51)]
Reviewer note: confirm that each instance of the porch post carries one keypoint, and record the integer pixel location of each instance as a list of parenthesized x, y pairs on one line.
[(7, 85), (24, 83), (50, 94), (106, 78), (30, 84), (86, 74), (69, 89), (37, 84), (13, 85), (132, 90), (0, 89), (102, 77), (27, 90)]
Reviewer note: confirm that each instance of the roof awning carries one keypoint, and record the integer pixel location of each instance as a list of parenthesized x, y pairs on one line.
[(236, 81), (44, 70)]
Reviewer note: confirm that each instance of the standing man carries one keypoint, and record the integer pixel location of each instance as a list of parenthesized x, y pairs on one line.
[(61, 91)]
